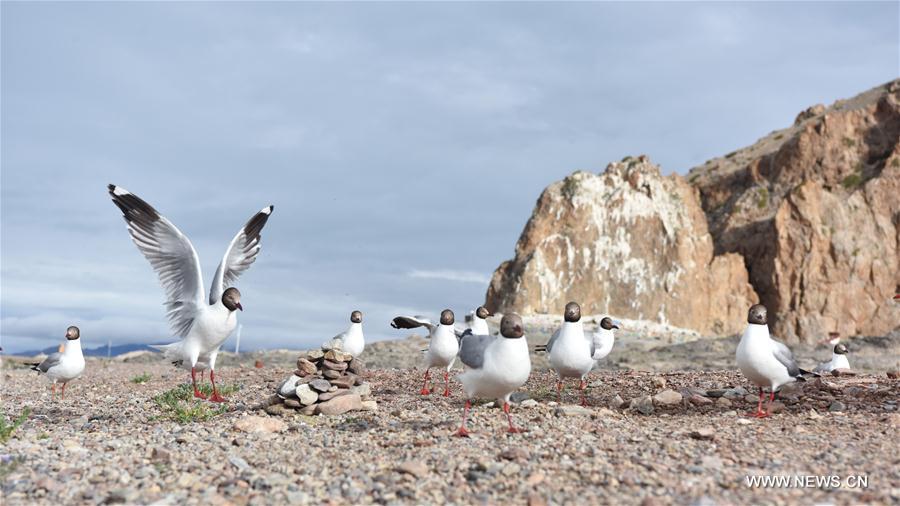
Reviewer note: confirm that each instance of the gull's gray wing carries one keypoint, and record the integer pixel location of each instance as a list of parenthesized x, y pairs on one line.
[(52, 360), (241, 253), (472, 348), (412, 322), (553, 339), (784, 355), (170, 254)]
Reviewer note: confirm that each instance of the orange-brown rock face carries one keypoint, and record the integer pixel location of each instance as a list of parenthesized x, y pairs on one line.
[(815, 211), (627, 242)]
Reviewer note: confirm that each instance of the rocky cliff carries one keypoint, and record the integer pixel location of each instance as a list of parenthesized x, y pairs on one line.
[(629, 242), (815, 211), (811, 212)]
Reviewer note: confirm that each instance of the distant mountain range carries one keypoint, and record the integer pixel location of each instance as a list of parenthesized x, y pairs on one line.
[(99, 351)]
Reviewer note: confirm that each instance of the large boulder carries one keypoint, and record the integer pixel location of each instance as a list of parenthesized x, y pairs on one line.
[(627, 242), (815, 211)]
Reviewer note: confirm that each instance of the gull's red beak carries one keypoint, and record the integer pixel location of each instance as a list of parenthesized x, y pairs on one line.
[(897, 297), (239, 306)]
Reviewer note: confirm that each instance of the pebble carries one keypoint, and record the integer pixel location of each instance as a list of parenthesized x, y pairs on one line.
[(658, 382), (331, 395), (723, 402), (239, 463), (305, 367), (528, 403), (356, 366), (306, 395), (837, 406), (667, 398), (289, 386), (331, 374), (344, 381), (320, 385), (159, 454), (315, 355), (363, 390), (369, 405), (643, 405), (514, 453), (616, 402)]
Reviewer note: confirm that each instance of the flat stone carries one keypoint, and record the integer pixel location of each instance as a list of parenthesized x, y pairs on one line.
[(517, 397), (259, 424), (293, 403), (528, 403), (570, 410), (340, 405), (370, 405), (305, 366), (327, 396), (314, 355), (277, 409), (719, 392), (160, 454), (703, 433), (331, 374), (667, 398), (658, 382), (288, 387), (306, 395), (514, 453), (338, 356), (309, 410), (415, 468), (699, 400), (345, 381), (334, 366), (320, 385), (723, 402)]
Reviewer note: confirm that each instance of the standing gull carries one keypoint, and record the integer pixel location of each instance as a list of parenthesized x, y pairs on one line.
[(441, 350), (202, 326), (63, 366), (352, 340), (604, 339), (478, 321), (765, 361), (497, 367), (571, 352)]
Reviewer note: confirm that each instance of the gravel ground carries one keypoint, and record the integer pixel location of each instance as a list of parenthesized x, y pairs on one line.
[(108, 442)]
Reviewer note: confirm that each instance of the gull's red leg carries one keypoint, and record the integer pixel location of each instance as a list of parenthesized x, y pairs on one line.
[(215, 397), (63, 393), (759, 411), (463, 432), (583, 387), (425, 390), (512, 428), (446, 383), (197, 393)]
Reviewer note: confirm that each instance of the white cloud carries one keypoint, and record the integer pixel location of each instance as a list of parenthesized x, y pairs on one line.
[(450, 275)]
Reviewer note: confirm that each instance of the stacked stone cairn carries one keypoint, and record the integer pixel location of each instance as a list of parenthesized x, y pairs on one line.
[(327, 382)]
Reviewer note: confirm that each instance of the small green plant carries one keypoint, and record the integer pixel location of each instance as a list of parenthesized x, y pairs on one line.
[(855, 251), (763, 198), (180, 405), (851, 181), (7, 427), (731, 155), (779, 137), (848, 142), (141, 378), (895, 163), (693, 179), (43, 435)]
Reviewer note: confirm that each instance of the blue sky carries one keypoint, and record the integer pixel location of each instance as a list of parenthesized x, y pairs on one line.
[(403, 145)]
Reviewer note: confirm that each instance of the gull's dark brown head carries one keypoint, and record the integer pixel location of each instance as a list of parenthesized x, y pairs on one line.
[(356, 317), (757, 315), (482, 312), (231, 299), (607, 323), (72, 333), (511, 326), (572, 312), (841, 349), (447, 317)]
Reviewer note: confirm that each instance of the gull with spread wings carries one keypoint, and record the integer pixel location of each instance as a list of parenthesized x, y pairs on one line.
[(203, 325)]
